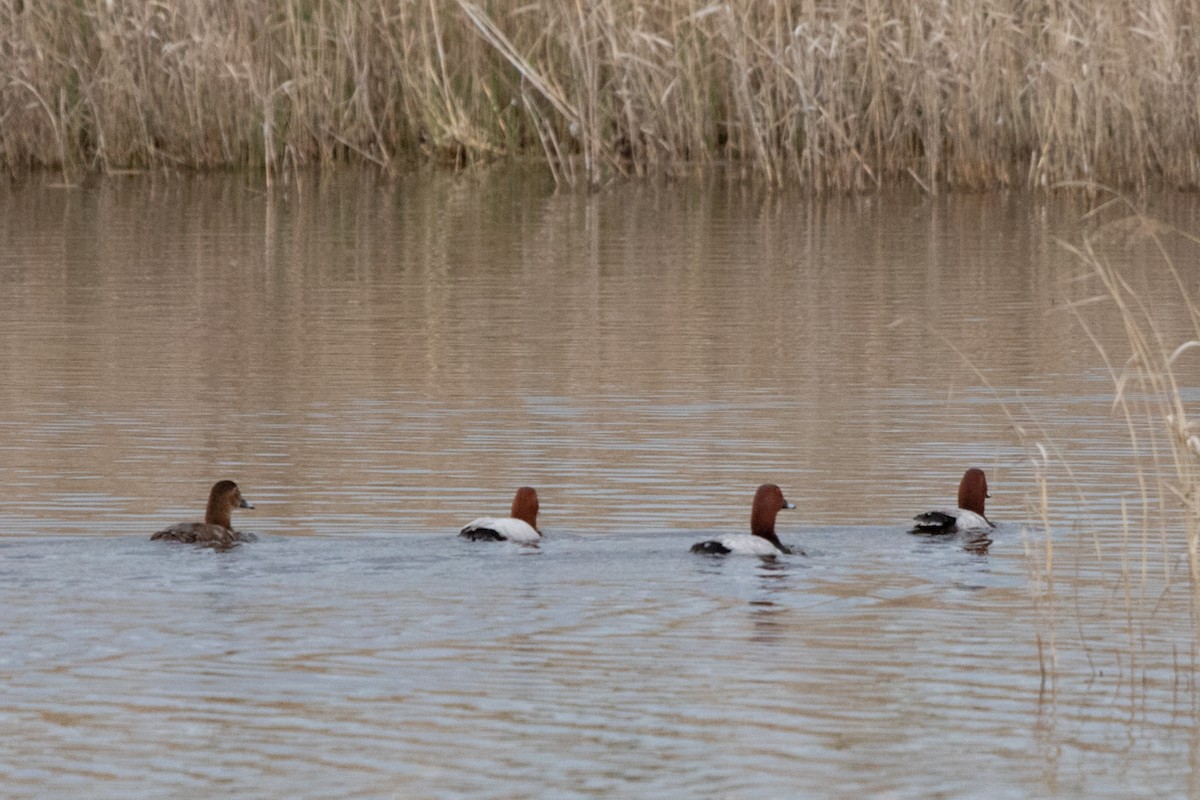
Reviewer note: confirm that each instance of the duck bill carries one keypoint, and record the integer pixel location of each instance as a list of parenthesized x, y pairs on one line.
[(245, 504)]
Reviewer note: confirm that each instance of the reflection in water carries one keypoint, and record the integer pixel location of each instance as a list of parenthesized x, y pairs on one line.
[(977, 543), (373, 361), (771, 619), (770, 622)]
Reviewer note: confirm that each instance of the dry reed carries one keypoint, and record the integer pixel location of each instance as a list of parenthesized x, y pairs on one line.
[(1159, 554), (834, 96), (1149, 385)]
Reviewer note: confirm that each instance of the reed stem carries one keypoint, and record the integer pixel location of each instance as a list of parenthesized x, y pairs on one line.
[(832, 96)]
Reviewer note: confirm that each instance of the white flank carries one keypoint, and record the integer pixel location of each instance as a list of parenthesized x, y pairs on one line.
[(749, 544), (514, 530)]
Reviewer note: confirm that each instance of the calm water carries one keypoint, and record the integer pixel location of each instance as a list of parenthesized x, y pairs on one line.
[(377, 364)]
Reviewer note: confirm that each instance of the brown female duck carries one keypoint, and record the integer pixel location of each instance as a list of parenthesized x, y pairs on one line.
[(217, 528)]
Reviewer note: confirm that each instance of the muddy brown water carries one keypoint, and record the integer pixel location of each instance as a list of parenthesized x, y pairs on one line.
[(378, 363)]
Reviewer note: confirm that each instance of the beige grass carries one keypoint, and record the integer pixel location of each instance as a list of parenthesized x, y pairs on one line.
[(1157, 565), (835, 96), (1149, 379)]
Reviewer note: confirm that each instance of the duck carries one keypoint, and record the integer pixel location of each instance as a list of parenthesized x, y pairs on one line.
[(521, 527), (761, 541), (216, 529), (969, 516)]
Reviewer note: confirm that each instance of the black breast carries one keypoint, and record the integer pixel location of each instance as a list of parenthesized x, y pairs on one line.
[(712, 548), (934, 522), (481, 535)]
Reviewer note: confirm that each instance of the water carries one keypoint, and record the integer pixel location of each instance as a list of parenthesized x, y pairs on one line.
[(377, 364)]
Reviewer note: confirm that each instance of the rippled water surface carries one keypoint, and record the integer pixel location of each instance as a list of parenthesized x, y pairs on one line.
[(378, 363)]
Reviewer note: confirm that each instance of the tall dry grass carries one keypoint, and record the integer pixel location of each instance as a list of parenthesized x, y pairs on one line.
[(1155, 376), (832, 95)]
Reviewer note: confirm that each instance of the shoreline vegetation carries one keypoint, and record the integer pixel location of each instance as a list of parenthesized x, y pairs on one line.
[(831, 97), (1155, 573)]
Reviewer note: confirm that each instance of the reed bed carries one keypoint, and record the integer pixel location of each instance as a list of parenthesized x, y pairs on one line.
[(834, 96)]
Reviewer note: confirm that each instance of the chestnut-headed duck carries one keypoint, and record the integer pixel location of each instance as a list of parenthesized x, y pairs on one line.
[(761, 541), (521, 527), (216, 529), (972, 491)]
